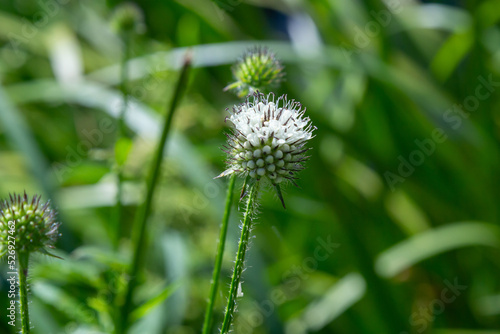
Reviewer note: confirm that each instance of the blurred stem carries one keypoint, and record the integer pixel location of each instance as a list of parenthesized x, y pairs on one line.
[(23, 292), (139, 242), (116, 228), (375, 6), (240, 259), (218, 257)]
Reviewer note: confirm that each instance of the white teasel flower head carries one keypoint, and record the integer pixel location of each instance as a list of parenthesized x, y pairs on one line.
[(268, 139)]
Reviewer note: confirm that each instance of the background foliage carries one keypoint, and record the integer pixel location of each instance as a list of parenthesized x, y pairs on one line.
[(402, 186)]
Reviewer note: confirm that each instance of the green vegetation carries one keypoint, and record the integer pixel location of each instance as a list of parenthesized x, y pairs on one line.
[(395, 226)]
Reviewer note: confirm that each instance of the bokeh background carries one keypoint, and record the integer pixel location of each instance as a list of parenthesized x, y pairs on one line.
[(394, 228)]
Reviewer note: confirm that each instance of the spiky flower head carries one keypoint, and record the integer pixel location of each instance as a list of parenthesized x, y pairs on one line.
[(257, 69), (269, 139), (127, 18), (31, 223)]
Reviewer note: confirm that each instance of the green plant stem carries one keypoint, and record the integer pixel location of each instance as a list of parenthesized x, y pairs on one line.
[(207, 324), (140, 224), (240, 259), (116, 229), (23, 292)]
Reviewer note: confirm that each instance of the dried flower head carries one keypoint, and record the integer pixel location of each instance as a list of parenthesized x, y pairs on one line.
[(127, 17), (32, 225), (257, 69), (268, 139)]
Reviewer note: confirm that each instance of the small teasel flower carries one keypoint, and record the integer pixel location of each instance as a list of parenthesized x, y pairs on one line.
[(257, 69), (32, 223), (268, 140), (127, 17)]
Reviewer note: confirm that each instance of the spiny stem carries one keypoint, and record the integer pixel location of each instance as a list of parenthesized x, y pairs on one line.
[(240, 259), (142, 216), (120, 132), (23, 292), (207, 325)]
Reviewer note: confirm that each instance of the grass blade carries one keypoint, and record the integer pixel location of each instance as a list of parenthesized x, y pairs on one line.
[(144, 211), (18, 131)]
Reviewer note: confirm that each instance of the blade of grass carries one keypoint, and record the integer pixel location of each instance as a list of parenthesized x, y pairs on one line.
[(143, 214), (117, 215), (207, 324), (154, 302), (424, 245), (19, 133), (341, 296)]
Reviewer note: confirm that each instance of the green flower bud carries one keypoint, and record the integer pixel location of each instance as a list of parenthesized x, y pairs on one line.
[(127, 18), (28, 225), (258, 69)]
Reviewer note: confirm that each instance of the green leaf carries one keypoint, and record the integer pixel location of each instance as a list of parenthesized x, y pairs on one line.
[(122, 149), (20, 134), (335, 301), (451, 54), (148, 306), (66, 303), (427, 244), (234, 86)]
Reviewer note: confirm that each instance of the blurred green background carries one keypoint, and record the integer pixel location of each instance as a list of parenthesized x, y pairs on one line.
[(394, 228)]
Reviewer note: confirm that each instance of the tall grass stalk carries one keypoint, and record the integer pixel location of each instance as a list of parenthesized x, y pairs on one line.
[(207, 325), (117, 217), (139, 232)]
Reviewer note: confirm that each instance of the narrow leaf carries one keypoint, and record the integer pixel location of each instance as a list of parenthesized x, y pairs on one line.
[(148, 306), (280, 195)]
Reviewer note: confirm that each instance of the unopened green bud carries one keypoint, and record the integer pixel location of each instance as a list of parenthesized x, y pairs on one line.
[(127, 18), (257, 69), (26, 225)]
